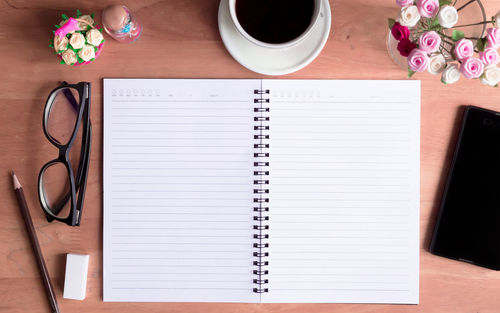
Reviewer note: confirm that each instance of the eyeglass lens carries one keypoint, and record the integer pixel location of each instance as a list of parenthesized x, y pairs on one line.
[(63, 114), (56, 187)]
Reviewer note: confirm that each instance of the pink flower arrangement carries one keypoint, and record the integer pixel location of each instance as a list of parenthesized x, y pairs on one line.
[(77, 40), (426, 35)]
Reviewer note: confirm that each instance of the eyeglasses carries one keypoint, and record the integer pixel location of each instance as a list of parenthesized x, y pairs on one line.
[(66, 124)]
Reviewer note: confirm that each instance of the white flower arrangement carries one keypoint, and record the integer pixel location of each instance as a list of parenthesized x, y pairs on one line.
[(77, 40)]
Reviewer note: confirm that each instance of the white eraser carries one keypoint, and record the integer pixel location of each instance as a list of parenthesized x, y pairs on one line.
[(75, 280)]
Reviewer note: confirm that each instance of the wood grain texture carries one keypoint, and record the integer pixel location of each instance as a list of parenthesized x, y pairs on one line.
[(181, 40)]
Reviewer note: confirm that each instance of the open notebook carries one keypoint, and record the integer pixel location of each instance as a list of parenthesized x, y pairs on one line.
[(261, 190)]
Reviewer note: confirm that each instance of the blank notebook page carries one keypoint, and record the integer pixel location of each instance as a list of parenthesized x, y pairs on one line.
[(178, 189), (344, 191)]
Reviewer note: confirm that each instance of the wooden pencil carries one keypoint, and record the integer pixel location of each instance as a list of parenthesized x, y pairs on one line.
[(35, 244)]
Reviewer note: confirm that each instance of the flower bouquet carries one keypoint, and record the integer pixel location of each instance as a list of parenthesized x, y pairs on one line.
[(77, 40), (429, 37)]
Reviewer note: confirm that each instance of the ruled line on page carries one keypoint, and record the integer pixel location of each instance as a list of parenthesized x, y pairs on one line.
[(142, 100), (341, 102), (178, 108)]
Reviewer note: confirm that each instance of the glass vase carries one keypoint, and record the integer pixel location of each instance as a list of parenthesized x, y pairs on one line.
[(469, 12)]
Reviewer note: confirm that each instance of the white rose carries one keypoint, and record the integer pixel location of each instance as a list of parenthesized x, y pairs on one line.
[(409, 16), (496, 18), (87, 53), (491, 75), (437, 64), (86, 18), (69, 57), (77, 40), (448, 16), (451, 74), (60, 44), (94, 37)]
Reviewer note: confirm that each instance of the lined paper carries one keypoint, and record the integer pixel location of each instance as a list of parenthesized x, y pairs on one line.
[(344, 191), (178, 185), (343, 188)]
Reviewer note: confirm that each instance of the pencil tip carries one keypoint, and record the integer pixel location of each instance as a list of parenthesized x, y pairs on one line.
[(16, 182)]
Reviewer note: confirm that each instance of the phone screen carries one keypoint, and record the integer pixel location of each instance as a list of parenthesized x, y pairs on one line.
[(468, 226)]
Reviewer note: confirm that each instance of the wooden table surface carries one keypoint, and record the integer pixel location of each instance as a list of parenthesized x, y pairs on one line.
[(181, 40)]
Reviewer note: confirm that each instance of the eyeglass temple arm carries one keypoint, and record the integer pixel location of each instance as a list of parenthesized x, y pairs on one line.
[(82, 179), (71, 99)]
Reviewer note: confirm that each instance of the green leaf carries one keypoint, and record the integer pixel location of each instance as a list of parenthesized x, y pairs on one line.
[(62, 62), (457, 35), (434, 24), (481, 44), (410, 73), (51, 45), (57, 26), (78, 13), (64, 16), (391, 22), (92, 15), (444, 2)]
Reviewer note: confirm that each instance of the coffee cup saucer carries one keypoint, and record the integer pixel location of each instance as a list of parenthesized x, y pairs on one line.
[(274, 61)]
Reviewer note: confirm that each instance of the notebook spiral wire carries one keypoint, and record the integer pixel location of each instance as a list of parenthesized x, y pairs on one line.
[(261, 190)]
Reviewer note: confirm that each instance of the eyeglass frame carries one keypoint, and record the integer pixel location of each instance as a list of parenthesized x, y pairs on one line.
[(79, 183)]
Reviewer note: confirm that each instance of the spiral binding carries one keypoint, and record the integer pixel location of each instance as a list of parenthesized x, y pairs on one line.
[(261, 191)]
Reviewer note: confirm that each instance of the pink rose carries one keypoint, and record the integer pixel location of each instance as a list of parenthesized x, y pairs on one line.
[(405, 47), (428, 8), (464, 48), (472, 68), (400, 32), (489, 56), (493, 36), (418, 60), (404, 3), (429, 42)]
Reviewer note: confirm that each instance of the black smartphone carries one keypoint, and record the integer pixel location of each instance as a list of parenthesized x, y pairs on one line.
[(468, 225)]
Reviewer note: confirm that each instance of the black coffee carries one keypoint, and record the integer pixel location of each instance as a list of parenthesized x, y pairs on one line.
[(274, 21)]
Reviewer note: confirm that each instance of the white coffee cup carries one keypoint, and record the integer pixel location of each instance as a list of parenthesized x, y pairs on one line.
[(293, 42)]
